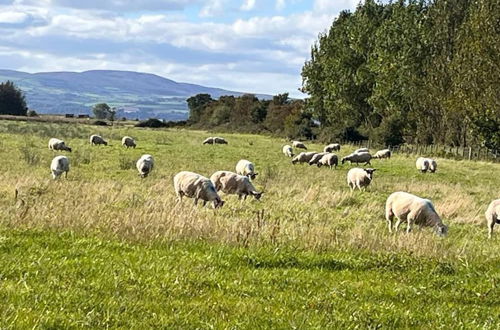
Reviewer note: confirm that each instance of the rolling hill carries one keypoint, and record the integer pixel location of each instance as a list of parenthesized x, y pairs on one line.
[(134, 94)]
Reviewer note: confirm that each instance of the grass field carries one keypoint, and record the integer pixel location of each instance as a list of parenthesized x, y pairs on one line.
[(105, 248)]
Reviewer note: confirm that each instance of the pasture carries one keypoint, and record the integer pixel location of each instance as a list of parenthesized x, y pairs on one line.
[(105, 248)]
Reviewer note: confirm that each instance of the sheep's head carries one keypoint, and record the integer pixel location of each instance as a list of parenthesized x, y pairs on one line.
[(369, 172), (68, 148), (257, 195), (218, 203), (252, 175), (442, 230)]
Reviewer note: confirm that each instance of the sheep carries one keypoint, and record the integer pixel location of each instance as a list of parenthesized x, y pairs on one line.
[(58, 166), (145, 165), (303, 157), (361, 150), (432, 165), (360, 177), (384, 153), (315, 159), (240, 185), (196, 186), (208, 140), (363, 157), (128, 142), (215, 140), (215, 178), (56, 144), (246, 168), (329, 160), (287, 150), (97, 140), (332, 147), (422, 164), (492, 216), (413, 210), (299, 145)]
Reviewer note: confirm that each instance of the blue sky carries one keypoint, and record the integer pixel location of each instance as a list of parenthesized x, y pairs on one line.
[(256, 46)]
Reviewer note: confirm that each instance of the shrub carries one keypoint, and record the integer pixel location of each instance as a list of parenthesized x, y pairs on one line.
[(151, 122), (100, 123), (32, 113)]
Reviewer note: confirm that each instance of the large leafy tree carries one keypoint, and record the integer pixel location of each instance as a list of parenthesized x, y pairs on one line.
[(103, 111), (12, 101)]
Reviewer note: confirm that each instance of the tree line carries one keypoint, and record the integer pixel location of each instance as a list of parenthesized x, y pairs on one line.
[(409, 71)]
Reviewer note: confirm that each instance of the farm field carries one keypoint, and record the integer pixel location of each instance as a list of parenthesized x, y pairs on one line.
[(105, 248)]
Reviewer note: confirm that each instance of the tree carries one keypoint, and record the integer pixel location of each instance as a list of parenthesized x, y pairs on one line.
[(196, 106), (103, 111), (12, 101)]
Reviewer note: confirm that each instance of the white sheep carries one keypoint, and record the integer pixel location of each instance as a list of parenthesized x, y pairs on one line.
[(145, 165), (361, 150), (215, 178), (128, 142), (58, 166), (97, 140), (492, 216), (360, 177), (315, 159), (363, 157), (332, 147), (432, 165), (246, 168), (303, 157), (413, 210), (329, 160), (299, 145), (240, 185), (208, 140), (384, 153), (287, 150), (426, 164), (56, 144), (196, 186)]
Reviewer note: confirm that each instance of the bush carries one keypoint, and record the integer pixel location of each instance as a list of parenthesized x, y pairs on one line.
[(32, 113), (151, 122), (100, 123)]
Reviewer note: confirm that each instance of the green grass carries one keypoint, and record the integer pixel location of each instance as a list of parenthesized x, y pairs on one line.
[(105, 248)]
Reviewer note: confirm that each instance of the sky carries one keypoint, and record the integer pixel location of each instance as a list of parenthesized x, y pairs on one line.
[(255, 46)]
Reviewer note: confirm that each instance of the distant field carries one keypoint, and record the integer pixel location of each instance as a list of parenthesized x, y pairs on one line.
[(105, 248)]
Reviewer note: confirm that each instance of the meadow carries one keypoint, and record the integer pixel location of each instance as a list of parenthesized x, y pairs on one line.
[(105, 248)]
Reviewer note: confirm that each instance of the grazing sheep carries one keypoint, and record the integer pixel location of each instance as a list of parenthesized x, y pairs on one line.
[(145, 165), (198, 187), (329, 160), (299, 145), (422, 164), (432, 165), (219, 140), (492, 216), (363, 157), (208, 140), (384, 153), (215, 178), (97, 140), (287, 151), (303, 157), (246, 168), (332, 147), (239, 185), (360, 177), (58, 166), (315, 159), (413, 210), (56, 144), (361, 150), (128, 142)]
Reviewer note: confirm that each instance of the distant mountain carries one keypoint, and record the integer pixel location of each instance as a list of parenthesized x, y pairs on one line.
[(134, 94)]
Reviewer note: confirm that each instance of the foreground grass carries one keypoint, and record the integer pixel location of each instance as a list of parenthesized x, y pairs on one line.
[(106, 248), (59, 279)]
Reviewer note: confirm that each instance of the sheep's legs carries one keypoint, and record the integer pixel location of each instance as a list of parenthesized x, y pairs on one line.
[(410, 222), (389, 216), (396, 226), (491, 224), (66, 174)]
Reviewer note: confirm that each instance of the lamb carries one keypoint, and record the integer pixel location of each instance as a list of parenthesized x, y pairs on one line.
[(56, 144), (384, 153), (58, 166), (492, 216), (97, 140), (215, 178), (413, 210), (299, 145), (196, 186), (287, 150), (128, 142), (360, 177), (303, 157), (315, 159), (361, 150), (329, 160), (363, 157), (145, 165), (246, 168), (239, 185), (332, 147)]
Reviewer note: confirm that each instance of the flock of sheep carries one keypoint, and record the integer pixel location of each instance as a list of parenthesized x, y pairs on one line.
[(401, 205)]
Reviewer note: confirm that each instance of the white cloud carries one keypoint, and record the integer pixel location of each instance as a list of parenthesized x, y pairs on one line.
[(280, 4), (330, 6), (213, 8), (12, 17), (248, 5)]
